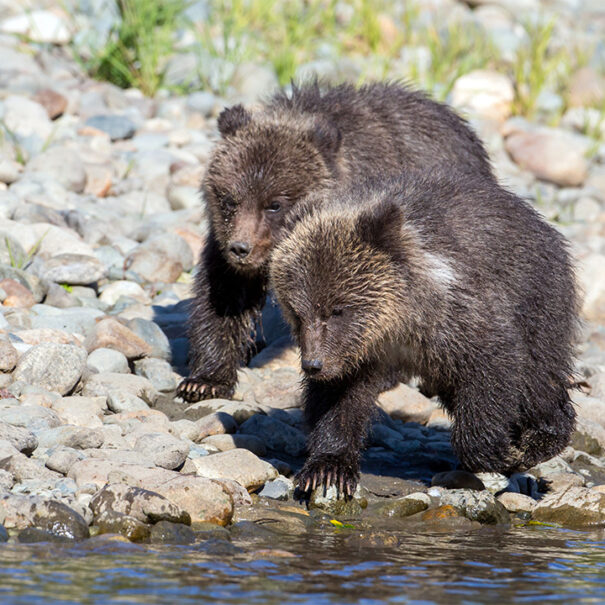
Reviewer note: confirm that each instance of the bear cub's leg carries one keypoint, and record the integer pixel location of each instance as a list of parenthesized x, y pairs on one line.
[(221, 322), (339, 414)]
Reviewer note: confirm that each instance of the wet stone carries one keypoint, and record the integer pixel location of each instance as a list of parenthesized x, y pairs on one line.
[(112, 522), (406, 506), (19, 512), (166, 532), (34, 535), (331, 503), (144, 505), (574, 507), (476, 506), (3, 534)]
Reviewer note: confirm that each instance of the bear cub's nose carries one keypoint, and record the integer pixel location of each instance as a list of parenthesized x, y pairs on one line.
[(312, 365), (240, 249)]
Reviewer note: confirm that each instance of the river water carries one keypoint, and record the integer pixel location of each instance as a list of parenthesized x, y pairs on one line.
[(500, 565)]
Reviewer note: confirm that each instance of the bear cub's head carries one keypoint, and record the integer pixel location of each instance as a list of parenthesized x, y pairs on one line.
[(338, 279), (261, 168)]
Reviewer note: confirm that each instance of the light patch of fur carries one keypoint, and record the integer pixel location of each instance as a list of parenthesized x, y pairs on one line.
[(439, 269)]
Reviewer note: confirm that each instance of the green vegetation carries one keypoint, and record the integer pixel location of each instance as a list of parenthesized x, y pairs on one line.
[(136, 52), (386, 39)]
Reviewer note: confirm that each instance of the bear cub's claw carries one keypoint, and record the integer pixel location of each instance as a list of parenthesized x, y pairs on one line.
[(326, 471), (193, 390)]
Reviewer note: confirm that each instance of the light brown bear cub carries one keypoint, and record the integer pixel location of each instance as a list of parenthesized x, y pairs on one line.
[(447, 277)]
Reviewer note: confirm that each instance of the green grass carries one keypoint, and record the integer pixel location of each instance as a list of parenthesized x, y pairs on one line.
[(287, 34), (136, 52)]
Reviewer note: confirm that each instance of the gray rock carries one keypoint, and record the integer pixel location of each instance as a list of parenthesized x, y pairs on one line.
[(407, 404), (109, 333), (573, 507), (76, 437), (476, 506), (516, 503), (19, 512), (335, 505), (117, 127), (75, 320), (202, 101), (28, 121), (214, 424), (111, 522), (7, 480), (109, 383), (55, 367), (279, 489), (152, 334), (8, 356), (62, 458), (125, 402), (60, 164), (23, 469), (240, 465), (166, 532), (158, 371), (19, 437), (142, 504), (275, 434), (163, 450), (225, 442), (38, 26), (406, 506), (107, 360), (72, 269), (31, 417)]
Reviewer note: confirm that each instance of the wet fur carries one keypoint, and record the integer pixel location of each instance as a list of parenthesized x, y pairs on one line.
[(446, 277), (296, 145)]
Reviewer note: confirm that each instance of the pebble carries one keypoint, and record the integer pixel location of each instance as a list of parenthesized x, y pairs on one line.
[(516, 503), (38, 26), (163, 450), (107, 360), (116, 126), (229, 442), (489, 94), (166, 532), (111, 334), (61, 164)]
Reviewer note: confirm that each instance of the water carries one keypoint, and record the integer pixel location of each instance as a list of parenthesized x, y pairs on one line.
[(525, 565)]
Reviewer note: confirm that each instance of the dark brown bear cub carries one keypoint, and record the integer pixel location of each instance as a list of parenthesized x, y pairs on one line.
[(448, 278), (268, 160)]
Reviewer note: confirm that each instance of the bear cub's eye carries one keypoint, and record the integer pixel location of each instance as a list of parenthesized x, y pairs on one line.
[(337, 311), (273, 207)]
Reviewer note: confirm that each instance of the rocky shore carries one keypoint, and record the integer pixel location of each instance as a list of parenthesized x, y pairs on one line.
[(100, 226)]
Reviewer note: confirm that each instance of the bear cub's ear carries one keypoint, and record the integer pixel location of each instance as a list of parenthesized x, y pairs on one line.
[(380, 226), (326, 137), (232, 119)]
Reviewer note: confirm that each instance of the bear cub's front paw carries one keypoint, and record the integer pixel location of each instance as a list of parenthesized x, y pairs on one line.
[(193, 390), (339, 470)]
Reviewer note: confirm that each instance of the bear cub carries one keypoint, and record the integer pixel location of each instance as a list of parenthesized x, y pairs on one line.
[(269, 159), (446, 277)]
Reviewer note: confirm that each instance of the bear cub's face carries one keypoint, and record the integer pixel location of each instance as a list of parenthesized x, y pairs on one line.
[(259, 171), (338, 285)]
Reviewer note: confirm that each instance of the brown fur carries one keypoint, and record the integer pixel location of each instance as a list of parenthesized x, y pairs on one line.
[(447, 277), (266, 163)]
